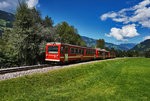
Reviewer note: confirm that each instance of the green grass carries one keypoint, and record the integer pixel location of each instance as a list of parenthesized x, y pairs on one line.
[(114, 80)]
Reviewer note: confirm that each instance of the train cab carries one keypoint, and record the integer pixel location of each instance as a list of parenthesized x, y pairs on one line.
[(56, 52), (52, 52)]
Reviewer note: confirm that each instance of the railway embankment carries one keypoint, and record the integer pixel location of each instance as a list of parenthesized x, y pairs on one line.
[(10, 73)]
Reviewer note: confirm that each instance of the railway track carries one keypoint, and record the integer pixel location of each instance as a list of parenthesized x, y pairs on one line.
[(15, 72), (24, 68)]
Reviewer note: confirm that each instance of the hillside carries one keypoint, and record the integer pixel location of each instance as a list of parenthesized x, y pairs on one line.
[(143, 46), (113, 80), (90, 41), (6, 20), (128, 45)]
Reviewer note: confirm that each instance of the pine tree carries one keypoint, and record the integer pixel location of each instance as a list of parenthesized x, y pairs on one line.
[(48, 22)]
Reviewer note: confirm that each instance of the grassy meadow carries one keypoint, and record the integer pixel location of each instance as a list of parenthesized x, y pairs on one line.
[(113, 80)]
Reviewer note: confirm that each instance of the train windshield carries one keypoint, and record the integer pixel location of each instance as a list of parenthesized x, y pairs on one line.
[(52, 49)]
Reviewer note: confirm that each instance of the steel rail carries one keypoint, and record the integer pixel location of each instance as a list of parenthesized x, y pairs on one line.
[(24, 68)]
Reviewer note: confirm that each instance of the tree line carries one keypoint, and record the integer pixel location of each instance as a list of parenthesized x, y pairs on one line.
[(25, 43)]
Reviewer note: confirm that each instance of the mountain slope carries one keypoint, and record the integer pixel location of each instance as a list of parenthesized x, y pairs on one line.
[(116, 47), (6, 20), (128, 45), (142, 46), (90, 42)]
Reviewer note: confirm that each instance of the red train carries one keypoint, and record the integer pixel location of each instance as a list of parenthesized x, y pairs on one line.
[(59, 52)]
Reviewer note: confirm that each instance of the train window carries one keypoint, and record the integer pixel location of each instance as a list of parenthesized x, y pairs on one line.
[(94, 52), (79, 51), (76, 51), (62, 50), (106, 54), (103, 53), (82, 51), (90, 51), (86, 52), (66, 49), (52, 49), (100, 53), (72, 51)]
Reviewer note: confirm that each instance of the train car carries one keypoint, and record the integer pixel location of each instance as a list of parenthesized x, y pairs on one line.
[(112, 55), (99, 53), (59, 52), (107, 54), (63, 53)]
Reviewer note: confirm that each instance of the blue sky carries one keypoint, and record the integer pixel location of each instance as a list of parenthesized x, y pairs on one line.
[(116, 21)]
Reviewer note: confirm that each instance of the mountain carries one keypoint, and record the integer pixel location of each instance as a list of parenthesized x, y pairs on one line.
[(116, 47), (143, 46), (128, 45), (90, 42), (6, 20)]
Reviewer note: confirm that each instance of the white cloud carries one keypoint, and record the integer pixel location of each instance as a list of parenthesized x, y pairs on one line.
[(139, 14), (146, 37), (108, 15), (10, 5), (4, 4), (127, 31), (32, 3), (142, 4)]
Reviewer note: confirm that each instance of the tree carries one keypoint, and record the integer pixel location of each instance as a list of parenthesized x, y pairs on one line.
[(147, 53), (25, 43), (132, 53), (9, 49), (34, 33), (100, 43), (68, 34), (107, 48), (48, 22)]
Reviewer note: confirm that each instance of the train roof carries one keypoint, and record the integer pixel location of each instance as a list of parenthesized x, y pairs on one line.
[(102, 50), (59, 43)]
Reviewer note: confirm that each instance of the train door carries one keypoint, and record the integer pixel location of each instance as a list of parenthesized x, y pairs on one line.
[(94, 51), (103, 54), (66, 53)]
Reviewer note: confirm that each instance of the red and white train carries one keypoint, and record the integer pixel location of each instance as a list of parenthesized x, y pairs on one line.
[(64, 53)]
